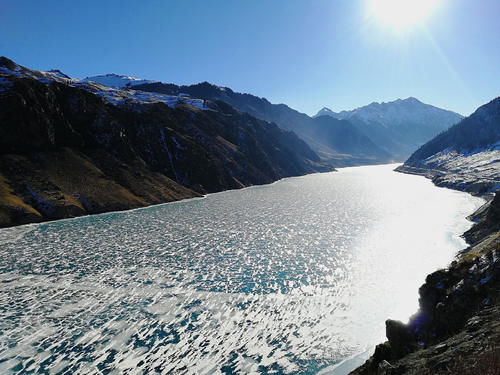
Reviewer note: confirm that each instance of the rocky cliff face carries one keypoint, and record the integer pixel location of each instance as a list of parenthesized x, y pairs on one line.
[(71, 148)]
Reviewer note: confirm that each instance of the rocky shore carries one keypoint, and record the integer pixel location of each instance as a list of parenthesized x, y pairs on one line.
[(457, 328), (459, 177)]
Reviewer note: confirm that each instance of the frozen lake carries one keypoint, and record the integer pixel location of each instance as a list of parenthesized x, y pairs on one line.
[(291, 277)]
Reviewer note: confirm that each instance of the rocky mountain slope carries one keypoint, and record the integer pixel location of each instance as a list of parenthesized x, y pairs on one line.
[(339, 147), (466, 156), (70, 148), (457, 328), (399, 127)]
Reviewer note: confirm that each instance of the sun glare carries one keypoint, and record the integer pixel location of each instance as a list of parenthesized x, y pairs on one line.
[(401, 14)]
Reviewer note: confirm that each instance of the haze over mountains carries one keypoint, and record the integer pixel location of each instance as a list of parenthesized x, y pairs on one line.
[(400, 126)]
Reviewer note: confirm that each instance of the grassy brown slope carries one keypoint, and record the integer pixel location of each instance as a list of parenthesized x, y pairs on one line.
[(65, 183)]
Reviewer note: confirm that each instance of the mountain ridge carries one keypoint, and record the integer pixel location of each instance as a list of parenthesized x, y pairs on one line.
[(285, 117), (73, 148), (386, 145)]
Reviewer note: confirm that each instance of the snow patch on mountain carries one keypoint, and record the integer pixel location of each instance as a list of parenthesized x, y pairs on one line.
[(475, 170), (115, 80), (119, 96), (113, 88), (325, 112), (397, 112)]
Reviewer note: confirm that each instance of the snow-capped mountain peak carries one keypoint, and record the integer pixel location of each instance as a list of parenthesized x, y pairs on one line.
[(325, 111), (116, 80)]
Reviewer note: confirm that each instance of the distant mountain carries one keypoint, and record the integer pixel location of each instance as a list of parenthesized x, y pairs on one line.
[(334, 148), (466, 156), (69, 148), (326, 112), (399, 127)]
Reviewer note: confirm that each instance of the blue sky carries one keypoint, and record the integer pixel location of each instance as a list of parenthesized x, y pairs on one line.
[(307, 54)]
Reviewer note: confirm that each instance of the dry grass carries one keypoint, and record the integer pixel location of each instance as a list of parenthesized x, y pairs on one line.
[(73, 172), (487, 363), (8, 199), (490, 243)]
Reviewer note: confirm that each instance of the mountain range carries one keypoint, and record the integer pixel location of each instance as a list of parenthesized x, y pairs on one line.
[(376, 133), (69, 148), (75, 146)]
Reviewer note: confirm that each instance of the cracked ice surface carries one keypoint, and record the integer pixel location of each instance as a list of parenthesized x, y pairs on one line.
[(289, 277)]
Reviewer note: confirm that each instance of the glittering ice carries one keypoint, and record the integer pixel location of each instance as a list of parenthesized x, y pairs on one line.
[(286, 278)]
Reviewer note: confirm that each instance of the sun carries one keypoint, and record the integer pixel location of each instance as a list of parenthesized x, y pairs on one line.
[(401, 14)]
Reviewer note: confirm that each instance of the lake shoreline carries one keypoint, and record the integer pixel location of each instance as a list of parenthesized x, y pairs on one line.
[(72, 214), (457, 327)]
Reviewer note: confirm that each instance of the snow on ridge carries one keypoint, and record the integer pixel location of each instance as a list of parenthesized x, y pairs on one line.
[(121, 96), (479, 166), (40, 75), (115, 80), (116, 95)]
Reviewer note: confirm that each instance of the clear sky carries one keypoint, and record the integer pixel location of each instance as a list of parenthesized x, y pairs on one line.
[(308, 54)]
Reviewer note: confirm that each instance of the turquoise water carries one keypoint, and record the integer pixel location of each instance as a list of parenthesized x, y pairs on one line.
[(292, 277)]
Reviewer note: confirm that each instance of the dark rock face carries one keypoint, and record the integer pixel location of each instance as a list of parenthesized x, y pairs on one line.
[(65, 151), (400, 338), (459, 318), (489, 222)]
